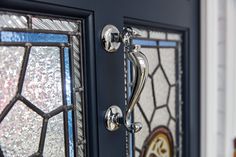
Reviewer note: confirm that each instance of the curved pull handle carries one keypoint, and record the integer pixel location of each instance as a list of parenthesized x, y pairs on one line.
[(111, 39), (141, 67)]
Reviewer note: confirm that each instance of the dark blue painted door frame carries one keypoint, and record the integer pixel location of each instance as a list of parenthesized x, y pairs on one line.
[(104, 72)]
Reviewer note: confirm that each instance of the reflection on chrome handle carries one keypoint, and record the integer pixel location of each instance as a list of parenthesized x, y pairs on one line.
[(111, 39), (140, 64)]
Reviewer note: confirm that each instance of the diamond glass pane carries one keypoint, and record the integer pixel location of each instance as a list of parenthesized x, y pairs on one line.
[(20, 131), (10, 66), (42, 85), (54, 142), (160, 101)]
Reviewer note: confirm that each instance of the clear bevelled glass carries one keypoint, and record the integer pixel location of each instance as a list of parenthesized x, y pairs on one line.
[(54, 25), (12, 21)]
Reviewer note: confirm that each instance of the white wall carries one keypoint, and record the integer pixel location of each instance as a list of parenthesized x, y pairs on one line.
[(218, 80), (230, 116), (221, 52)]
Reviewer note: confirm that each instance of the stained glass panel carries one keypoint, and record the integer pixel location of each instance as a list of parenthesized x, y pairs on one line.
[(159, 107), (39, 97)]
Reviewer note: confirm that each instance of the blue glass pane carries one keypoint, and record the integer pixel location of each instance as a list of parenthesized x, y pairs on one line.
[(32, 37), (68, 101), (167, 43), (144, 42), (154, 43)]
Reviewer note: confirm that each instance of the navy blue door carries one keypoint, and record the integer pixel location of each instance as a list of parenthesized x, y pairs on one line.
[(57, 81)]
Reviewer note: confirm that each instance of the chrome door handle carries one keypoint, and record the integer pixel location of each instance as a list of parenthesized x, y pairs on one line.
[(140, 64), (111, 39)]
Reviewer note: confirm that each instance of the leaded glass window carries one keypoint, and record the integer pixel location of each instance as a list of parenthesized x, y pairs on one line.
[(41, 86), (159, 108)]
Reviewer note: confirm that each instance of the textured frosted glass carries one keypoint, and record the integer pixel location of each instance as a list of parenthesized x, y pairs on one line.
[(142, 134), (10, 66), (174, 36), (168, 61), (161, 117), (143, 33), (54, 142), (32, 37), (13, 21), (172, 102), (152, 56), (20, 131), (52, 24), (161, 88), (157, 35), (172, 127), (146, 99), (42, 85)]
